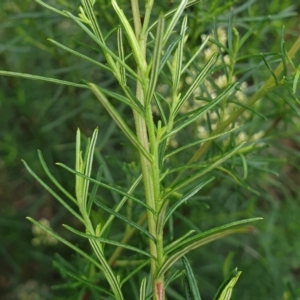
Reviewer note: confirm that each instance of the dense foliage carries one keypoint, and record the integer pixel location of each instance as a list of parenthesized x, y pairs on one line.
[(259, 178)]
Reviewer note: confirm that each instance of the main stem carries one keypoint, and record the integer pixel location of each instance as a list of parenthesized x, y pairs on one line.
[(146, 135)]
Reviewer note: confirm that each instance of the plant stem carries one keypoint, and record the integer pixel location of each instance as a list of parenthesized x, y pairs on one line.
[(145, 130)]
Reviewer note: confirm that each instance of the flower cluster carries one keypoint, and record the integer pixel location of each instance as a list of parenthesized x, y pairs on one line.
[(41, 236)]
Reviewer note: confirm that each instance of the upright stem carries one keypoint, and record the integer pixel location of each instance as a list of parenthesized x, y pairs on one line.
[(150, 169)]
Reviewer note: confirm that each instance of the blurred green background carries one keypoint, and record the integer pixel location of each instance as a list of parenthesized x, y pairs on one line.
[(37, 115)]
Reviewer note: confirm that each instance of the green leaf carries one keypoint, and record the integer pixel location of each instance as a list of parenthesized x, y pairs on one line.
[(93, 22), (120, 205), (289, 102), (52, 178), (188, 295), (88, 167), (177, 14), (104, 267), (55, 195), (137, 53), (198, 80), (296, 80), (107, 241), (94, 191), (199, 142), (80, 278), (178, 57), (168, 52), (119, 120), (238, 180), (143, 289), (186, 197), (51, 8), (269, 68), (95, 62), (201, 239), (108, 53), (59, 238), (250, 32), (196, 55), (225, 290), (131, 223), (158, 99), (136, 270), (42, 78), (179, 240), (191, 281), (248, 108), (136, 105), (161, 218), (197, 113), (173, 11), (206, 169), (121, 55), (156, 61), (109, 275), (106, 186)]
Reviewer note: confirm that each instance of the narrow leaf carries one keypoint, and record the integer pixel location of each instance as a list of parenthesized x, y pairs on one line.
[(250, 32), (88, 162), (178, 12), (94, 191), (51, 8), (225, 290), (157, 99), (143, 289), (120, 205), (196, 114), (168, 52), (156, 60), (80, 279), (131, 223), (136, 106), (186, 197), (109, 275), (192, 283), (188, 294), (90, 11), (178, 57), (201, 239), (55, 195), (140, 60), (296, 80), (269, 68), (119, 120), (109, 53), (95, 62), (136, 270), (53, 179), (199, 142), (107, 241), (59, 238), (42, 78), (161, 218), (205, 170), (179, 240), (203, 44), (106, 186), (121, 55), (198, 80)]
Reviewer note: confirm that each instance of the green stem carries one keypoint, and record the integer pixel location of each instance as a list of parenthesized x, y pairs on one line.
[(145, 130), (142, 134)]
